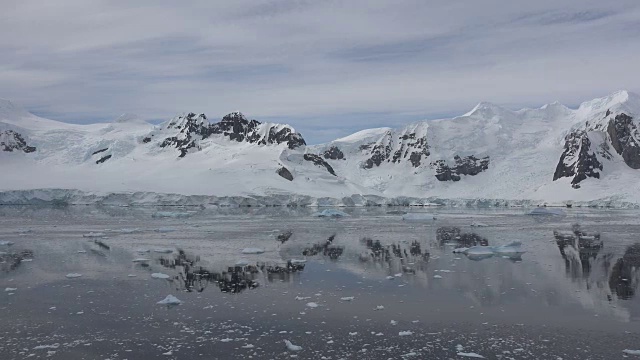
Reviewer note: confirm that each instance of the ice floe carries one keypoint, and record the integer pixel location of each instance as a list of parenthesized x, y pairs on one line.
[(160, 276), (292, 347), (252, 251), (331, 213), (73, 275), (170, 300)]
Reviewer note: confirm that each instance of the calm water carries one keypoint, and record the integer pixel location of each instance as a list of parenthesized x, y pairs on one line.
[(373, 286)]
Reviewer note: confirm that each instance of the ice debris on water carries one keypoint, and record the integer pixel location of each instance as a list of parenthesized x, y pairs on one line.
[(252, 251), (5, 243), (160, 276), (169, 300), (546, 212), (347, 298), (379, 307), (10, 289), (631, 352), (437, 277), (312, 305), (140, 260), (73, 275), (418, 217), (163, 251), (471, 355), (478, 224), (405, 333), (512, 250), (332, 213), (170, 214), (292, 347)]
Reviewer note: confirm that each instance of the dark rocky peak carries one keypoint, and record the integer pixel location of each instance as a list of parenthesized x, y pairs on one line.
[(467, 165), (333, 153), (320, 162), (408, 146), (625, 139), (579, 159), (235, 116), (13, 141)]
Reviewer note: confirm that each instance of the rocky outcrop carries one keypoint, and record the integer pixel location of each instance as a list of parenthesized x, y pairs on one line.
[(625, 139), (408, 146), (333, 153), (103, 159), (285, 173), (192, 128), (319, 161), (13, 141), (578, 160), (468, 165)]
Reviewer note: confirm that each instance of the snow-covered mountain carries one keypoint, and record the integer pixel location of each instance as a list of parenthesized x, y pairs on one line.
[(550, 154)]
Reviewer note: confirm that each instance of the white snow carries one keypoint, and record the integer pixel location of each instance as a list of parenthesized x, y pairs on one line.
[(169, 300)]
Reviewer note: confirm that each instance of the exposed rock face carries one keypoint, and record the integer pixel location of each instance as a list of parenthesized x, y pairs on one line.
[(578, 160), (333, 153), (11, 140), (318, 161), (193, 128), (468, 165), (625, 139), (103, 159), (407, 146), (285, 173)]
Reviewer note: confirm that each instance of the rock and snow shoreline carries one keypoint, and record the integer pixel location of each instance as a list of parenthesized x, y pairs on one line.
[(65, 197)]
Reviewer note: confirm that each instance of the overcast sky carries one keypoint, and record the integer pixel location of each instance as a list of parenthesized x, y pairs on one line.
[(327, 67)]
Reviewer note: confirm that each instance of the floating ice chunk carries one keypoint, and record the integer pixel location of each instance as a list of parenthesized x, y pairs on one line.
[(347, 298), (379, 307), (437, 277), (169, 300), (10, 289), (248, 346), (42, 347), (479, 252), (73, 275), (5, 243), (512, 250), (390, 277), (353, 333), (168, 353), (242, 262), (460, 250), (82, 251), (298, 261), (418, 217), (292, 347), (141, 260), (471, 355), (302, 297), (94, 235), (459, 348), (331, 213), (171, 214), (547, 212), (163, 251), (252, 251), (393, 322), (312, 305), (631, 352), (160, 276), (226, 340), (478, 224), (142, 251), (405, 333)]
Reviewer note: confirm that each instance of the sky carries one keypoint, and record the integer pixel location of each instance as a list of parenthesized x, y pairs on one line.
[(329, 68)]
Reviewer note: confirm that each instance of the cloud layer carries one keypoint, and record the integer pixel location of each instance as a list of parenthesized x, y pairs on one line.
[(327, 67)]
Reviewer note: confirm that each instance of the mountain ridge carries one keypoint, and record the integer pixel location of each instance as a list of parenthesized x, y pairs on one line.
[(550, 153)]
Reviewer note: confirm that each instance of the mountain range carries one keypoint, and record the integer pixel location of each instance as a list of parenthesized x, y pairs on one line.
[(552, 154)]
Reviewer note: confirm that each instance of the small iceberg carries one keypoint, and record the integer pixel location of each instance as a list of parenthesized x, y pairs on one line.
[(292, 347), (418, 217), (511, 251), (331, 213), (73, 275), (6, 243), (543, 211), (478, 224), (169, 300), (252, 251), (141, 260), (160, 276)]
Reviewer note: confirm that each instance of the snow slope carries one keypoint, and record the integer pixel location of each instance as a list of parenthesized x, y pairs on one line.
[(551, 154)]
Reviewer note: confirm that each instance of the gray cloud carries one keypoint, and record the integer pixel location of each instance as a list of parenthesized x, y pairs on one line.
[(327, 67)]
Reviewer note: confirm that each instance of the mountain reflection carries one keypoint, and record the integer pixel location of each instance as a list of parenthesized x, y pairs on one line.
[(581, 252)]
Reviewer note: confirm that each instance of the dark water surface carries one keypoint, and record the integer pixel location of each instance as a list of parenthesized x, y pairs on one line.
[(373, 286)]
